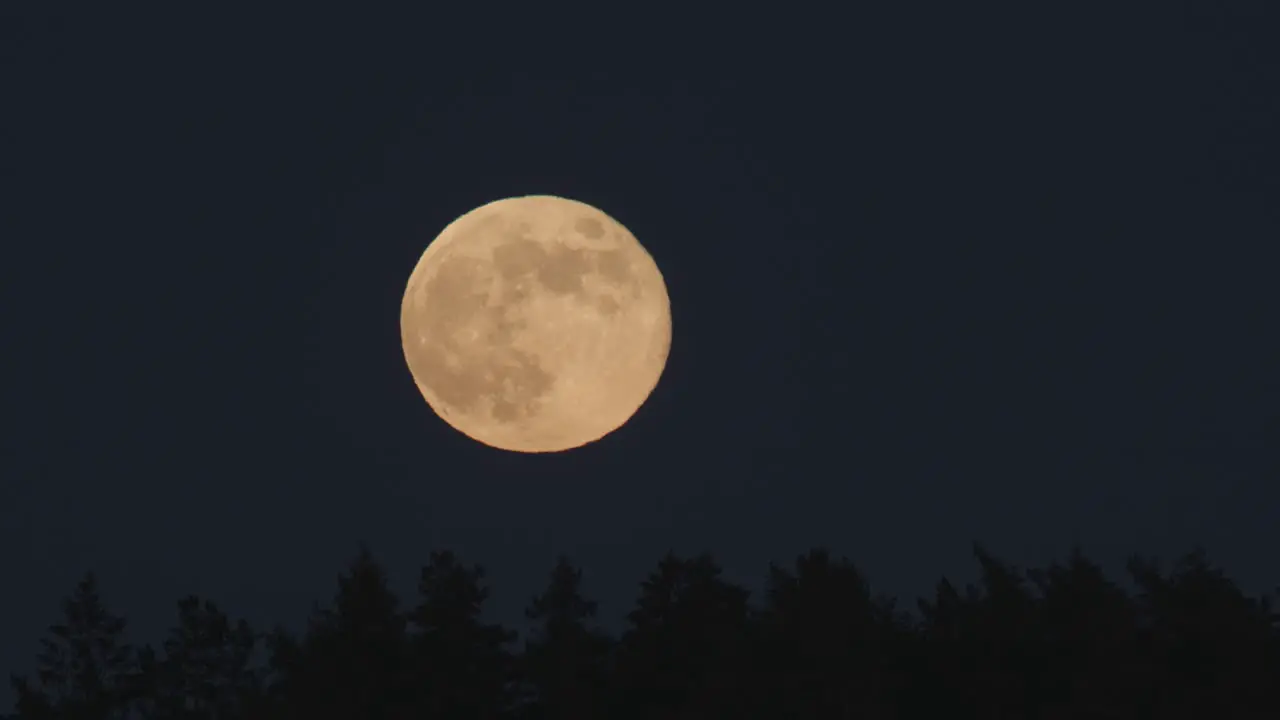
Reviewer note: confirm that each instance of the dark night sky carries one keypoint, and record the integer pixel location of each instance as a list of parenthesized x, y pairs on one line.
[(937, 277)]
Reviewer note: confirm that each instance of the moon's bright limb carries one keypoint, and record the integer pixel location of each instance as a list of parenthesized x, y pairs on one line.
[(535, 324)]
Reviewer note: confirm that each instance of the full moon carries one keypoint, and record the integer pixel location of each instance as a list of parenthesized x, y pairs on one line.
[(535, 324)]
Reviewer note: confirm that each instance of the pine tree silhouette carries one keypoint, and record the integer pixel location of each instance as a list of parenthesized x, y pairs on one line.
[(86, 670), (1206, 641), (565, 663), (684, 650), (463, 664), (354, 659), (832, 649), (206, 672), (1055, 643), (1087, 628)]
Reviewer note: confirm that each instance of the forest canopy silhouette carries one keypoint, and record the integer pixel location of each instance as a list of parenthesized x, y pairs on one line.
[(1062, 641)]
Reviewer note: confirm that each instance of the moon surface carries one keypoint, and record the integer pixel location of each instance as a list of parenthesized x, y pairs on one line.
[(535, 324)]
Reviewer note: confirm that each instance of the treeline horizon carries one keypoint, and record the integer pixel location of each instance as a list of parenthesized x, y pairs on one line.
[(1061, 641)]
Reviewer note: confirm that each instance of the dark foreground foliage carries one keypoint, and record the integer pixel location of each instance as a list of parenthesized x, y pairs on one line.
[(1052, 643)]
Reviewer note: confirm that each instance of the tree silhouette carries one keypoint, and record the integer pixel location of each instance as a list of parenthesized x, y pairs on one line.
[(1205, 640), (684, 650), (86, 670), (353, 659), (463, 663), (1088, 629), (206, 673), (1055, 643), (944, 674), (565, 663), (832, 649), (1008, 659)]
